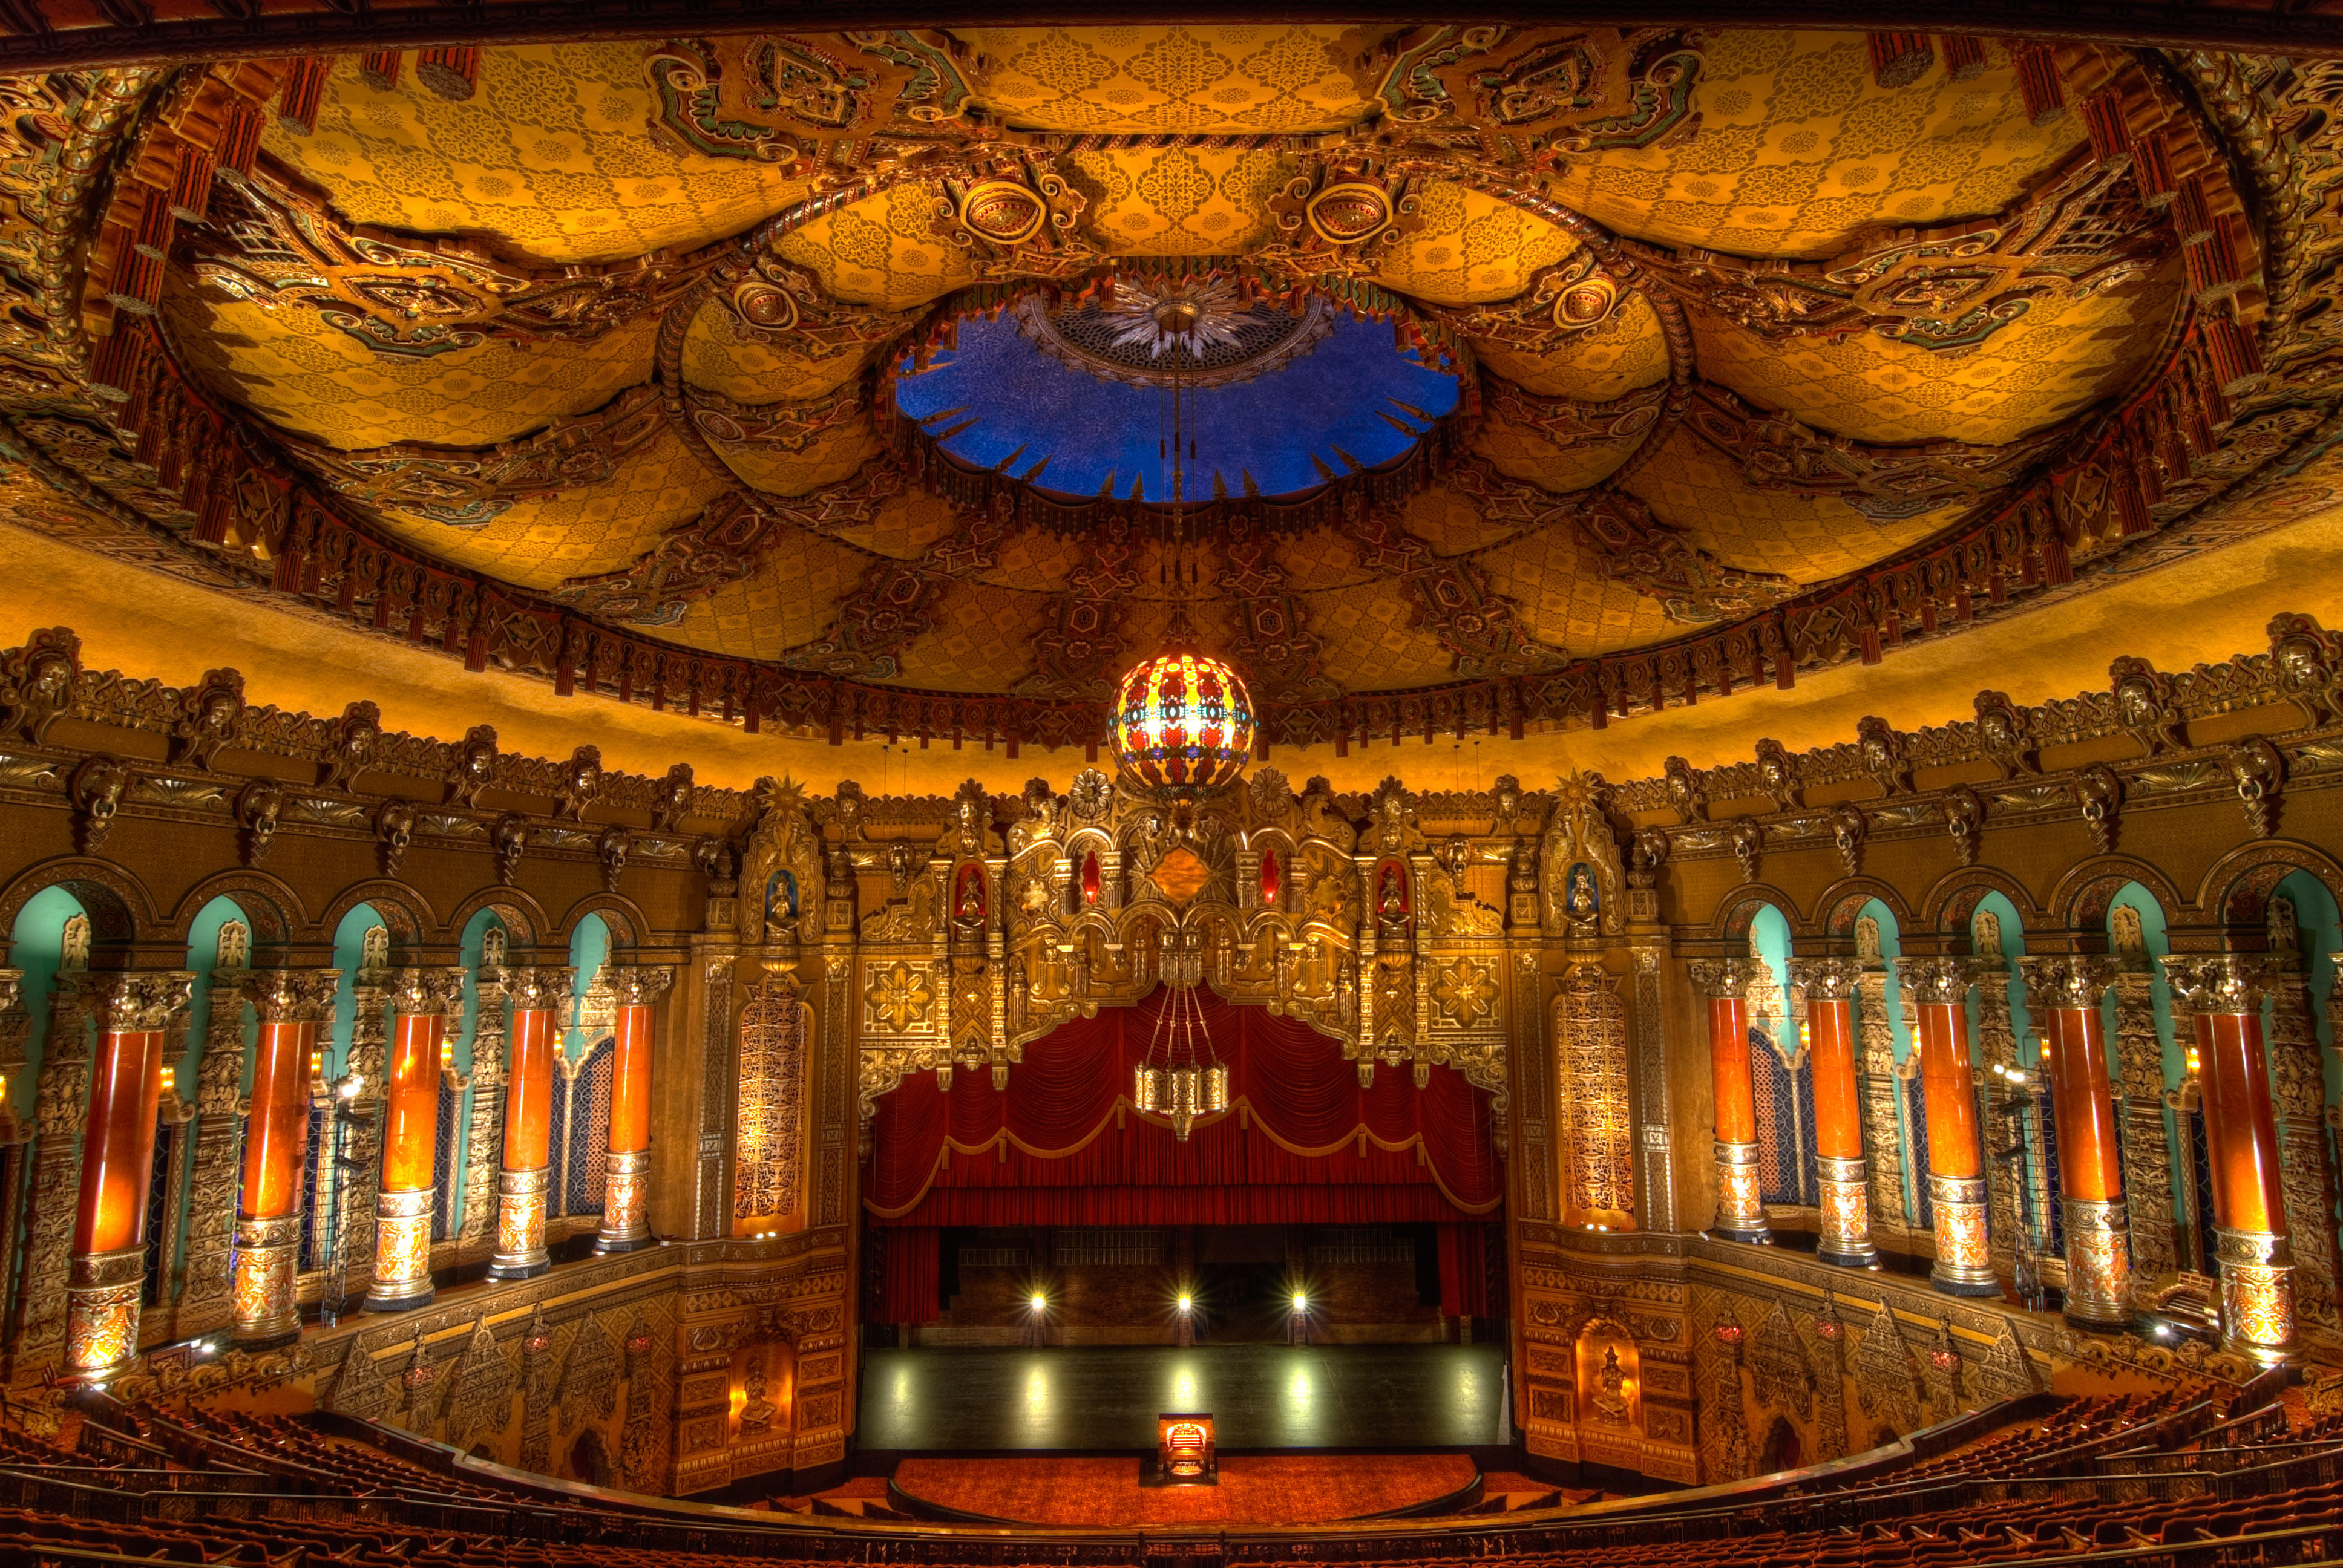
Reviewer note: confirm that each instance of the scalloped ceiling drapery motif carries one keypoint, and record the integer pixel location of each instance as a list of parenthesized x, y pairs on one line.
[(2018, 323)]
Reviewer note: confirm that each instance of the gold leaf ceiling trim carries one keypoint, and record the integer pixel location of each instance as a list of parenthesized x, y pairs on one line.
[(1798, 147), (549, 156), (1179, 201), (881, 250), (790, 597), (301, 374), (1194, 80), (981, 641), (723, 354), (1693, 488), (831, 456), (539, 544), (1567, 598), (2049, 365), (1626, 350), (1470, 247), (1524, 451)]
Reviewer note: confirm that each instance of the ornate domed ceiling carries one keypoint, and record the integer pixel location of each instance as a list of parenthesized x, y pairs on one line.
[(1532, 374)]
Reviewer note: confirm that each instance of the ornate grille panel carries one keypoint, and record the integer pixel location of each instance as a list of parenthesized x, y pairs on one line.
[(770, 1102), (583, 1167)]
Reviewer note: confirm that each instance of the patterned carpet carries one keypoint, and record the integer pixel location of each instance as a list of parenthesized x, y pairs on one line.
[(1298, 1489)]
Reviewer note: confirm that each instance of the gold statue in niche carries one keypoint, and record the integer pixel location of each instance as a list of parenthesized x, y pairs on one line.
[(1611, 1385)]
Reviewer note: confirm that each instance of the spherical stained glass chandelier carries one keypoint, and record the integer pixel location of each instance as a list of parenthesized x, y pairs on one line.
[(1181, 721)]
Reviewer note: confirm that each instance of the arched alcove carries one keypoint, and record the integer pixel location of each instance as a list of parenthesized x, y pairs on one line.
[(1780, 1081)]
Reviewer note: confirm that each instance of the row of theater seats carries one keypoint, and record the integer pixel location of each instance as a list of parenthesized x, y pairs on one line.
[(2080, 1480)]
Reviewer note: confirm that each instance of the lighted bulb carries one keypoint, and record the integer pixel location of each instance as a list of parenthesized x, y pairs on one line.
[(1187, 1303), (170, 1078), (1301, 1302), (348, 1088), (1039, 1301)]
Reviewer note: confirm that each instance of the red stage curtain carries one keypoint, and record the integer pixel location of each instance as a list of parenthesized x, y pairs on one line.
[(1464, 1270), (910, 1275), (1301, 1142)]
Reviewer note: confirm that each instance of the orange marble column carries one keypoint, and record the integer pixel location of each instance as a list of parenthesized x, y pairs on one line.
[(2227, 992), (2064, 993), (290, 1003), (1740, 1206), (1956, 1186), (626, 1207), (421, 1002), (540, 1004), (108, 1274), (1842, 1172)]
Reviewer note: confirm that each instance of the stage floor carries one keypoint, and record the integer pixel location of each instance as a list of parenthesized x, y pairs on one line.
[(1104, 1399)]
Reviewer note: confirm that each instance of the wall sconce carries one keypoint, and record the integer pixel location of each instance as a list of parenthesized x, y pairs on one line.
[(1827, 1323)]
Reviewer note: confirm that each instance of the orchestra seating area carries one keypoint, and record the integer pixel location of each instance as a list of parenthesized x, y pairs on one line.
[(2202, 1476)]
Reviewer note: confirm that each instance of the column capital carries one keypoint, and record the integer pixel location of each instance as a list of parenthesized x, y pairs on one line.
[(1826, 978), (539, 989), (292, 996), (2069, 981), (425, 989), (639, 985), (1723, 979), (2221, 982), (1936, 981), (133, 1001)]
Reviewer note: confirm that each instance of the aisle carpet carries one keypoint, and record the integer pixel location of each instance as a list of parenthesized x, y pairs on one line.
[(1287, 1489)]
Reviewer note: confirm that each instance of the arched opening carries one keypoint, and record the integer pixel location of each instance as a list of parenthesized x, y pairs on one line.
[(1781, 1080), (1781, 1450), (589, 1461), (581, 1083)]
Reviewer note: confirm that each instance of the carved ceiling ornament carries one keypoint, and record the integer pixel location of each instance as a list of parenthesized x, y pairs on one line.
[(397, 296), (1948, 287)]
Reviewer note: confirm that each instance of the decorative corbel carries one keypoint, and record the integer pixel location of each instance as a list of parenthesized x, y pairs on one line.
[(1847, 827), (257, 806), (475, 763), (1965, 813), (510, 837), (2259, 770), (96, 789), (2099, 793)]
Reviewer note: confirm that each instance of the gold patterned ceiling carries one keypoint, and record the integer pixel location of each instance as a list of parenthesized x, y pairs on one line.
[(1740, 324)]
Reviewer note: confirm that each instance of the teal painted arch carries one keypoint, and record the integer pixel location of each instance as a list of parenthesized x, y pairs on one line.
[(589, 952)]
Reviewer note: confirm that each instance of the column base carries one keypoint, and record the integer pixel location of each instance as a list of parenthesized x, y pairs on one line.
[(402, 1251), (2099, 1264), (104, 1291), (607, 1244), (1964, 1260), (1760, 1237), (1740, 1211), (268, 1261), (1845, 1191), (520, 1224), (2257, 1294), (625, 1226)]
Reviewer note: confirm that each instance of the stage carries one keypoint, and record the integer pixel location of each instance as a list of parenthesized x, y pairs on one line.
[(1103, 1400)]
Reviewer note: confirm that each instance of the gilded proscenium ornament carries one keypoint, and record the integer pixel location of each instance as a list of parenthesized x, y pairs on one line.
[(1724, 984)]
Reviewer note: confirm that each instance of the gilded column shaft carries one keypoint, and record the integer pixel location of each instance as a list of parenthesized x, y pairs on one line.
[(523, 1181), (421, 1001), (1740, 1202), (626, 1208), (2067, 992), (290, 1003), (2256, 1264), (106, 1281), (1843, 1175), (1957, 1183)]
